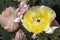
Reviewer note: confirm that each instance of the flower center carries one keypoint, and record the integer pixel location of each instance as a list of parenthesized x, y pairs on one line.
[(38, 20)]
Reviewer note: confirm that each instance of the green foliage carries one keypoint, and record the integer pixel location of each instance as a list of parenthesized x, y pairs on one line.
[(7, 3), (44, 2), (54, 36)]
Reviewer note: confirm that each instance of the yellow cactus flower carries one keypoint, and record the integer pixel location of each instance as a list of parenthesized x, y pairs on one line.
[(38, 19)]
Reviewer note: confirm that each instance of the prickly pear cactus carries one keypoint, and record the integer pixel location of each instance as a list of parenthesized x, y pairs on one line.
[(43, 36)]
